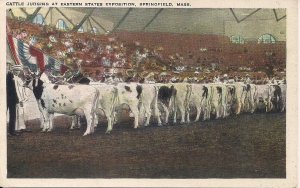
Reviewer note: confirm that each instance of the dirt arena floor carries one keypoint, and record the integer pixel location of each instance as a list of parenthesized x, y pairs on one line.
[(244, 146)]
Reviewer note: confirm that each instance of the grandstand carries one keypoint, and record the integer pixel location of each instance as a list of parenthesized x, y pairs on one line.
[(214, 41)]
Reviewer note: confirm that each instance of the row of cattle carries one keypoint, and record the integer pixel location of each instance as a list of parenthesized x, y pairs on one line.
[(147, 100)]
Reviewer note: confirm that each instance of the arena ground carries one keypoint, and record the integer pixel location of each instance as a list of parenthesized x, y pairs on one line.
[(244, 146)]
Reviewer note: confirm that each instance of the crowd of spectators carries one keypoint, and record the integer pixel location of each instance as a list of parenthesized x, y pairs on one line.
[(77, 50)]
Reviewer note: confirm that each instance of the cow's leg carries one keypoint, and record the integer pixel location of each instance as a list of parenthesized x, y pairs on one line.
[(283, 105), (46, 121), (42, 120), (79, 121), (51, 116), (167, 112), (175, 115), (90, 116), (266, 105), (96, 120), (207, 111), (198, 109), (135, 112), (252, 105), (187, 111), (182, 112), (239, 106), (147, 111), (110, 120), (217, 109), (74, 122), (157, 115)]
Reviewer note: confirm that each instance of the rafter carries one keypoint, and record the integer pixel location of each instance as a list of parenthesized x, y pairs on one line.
[(12, 14), (276, 16), (24, 11), (123, 18), (47, 15), (65, 16), (83, 20), (153, 18), (98, 24), (239, 21), (91, 25), (33, 15)]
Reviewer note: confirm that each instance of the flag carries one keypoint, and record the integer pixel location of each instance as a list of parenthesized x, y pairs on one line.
[(32, 57)]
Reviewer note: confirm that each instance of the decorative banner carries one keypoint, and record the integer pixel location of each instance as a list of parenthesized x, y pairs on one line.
[(33, 58)]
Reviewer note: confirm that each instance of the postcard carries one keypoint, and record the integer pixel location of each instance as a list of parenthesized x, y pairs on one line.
[(149, 94)]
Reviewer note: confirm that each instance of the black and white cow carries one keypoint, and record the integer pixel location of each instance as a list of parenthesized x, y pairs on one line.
[(71, 100), (199, 98), (166, 95), (219, 99)]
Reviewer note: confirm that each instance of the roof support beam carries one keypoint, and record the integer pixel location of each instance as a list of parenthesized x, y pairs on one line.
[(47, 15), (65, 16), (123, 18), (276, 16), (154, 17), (24, 11), (83, 20), (33, 15), (12, 14), (98, 24), (91, 25), (239, 21), (250, 14)]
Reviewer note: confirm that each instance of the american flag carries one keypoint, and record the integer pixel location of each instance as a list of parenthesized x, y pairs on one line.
[(32, 57)]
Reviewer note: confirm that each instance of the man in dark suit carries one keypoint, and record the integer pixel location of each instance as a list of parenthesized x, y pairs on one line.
[(11, 99)]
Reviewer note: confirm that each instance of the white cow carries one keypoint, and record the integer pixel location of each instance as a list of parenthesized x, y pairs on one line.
[(199, 98), (174, 97), (140, 98), (149, 103), (283, 96), (64, 99), (264, 95), (248, 97), (219, 99)]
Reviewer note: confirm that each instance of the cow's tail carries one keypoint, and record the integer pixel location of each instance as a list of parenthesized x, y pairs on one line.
[(156, 111), (188, 96), (205, 92), (139, 90), (115, 99)]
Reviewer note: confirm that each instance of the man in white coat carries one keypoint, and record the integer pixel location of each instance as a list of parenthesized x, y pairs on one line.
[(23, 97)]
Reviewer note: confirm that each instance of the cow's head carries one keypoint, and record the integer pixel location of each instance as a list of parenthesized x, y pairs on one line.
[(32, 79)]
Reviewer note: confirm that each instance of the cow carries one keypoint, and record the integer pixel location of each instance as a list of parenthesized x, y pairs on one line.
[(166, 94), (248, 95), (219, 99), (263, 95), (149, 102), (107, 99), (232, 98), (199, 96), (183, 92), (283, 97), (174, 97), (237, 93), (64, 99), (276, 97)]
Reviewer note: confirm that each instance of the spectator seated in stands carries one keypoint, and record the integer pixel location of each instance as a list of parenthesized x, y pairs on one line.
[(32, 40), (52, 39)]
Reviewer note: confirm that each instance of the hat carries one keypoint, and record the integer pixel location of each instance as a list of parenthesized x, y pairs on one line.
[(17, 67)]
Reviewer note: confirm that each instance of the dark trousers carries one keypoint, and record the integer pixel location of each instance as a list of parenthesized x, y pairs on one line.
[(12, 118)]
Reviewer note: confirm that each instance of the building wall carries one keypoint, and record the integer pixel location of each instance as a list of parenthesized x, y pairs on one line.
[(252, 30)]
